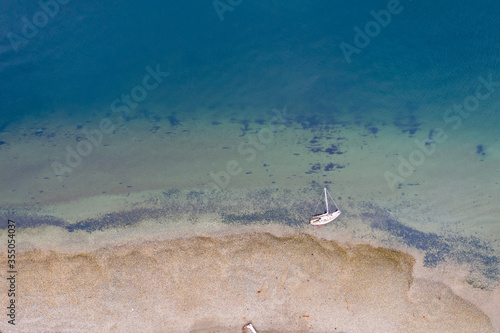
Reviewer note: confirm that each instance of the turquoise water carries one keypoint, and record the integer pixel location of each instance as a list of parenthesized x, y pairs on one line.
[(377, 75)]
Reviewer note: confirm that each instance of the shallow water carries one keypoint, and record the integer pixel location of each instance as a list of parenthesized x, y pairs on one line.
[(124, 123)]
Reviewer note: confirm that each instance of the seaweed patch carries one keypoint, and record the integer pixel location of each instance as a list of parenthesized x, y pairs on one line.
[(173, 120), (480, 150), (171, 193), (433, 244), (331, 166), (271, 215), (30, 220), (246, 126), (328, 167), (310, 122), (333, 150), (314, 168), (468, 250), (408, 125), (115, 220), (371, 129), (316, 147)]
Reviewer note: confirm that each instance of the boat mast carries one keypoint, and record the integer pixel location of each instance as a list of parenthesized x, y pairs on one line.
[(326, 201)]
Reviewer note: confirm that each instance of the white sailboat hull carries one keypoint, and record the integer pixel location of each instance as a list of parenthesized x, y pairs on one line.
[(324, 218)]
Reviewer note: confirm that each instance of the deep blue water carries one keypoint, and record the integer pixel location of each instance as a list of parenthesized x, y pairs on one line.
[(89, 52)]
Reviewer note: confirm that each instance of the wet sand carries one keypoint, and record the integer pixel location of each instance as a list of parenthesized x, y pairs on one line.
[(294, 283)]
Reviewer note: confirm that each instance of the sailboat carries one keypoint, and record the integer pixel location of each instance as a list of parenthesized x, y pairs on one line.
[(328, 216), (250, 326)]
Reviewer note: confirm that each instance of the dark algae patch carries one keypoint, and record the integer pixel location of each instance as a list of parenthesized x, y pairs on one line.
[(115, 220), (271, 215), (324, 145), (246, 126), (434, 245), (333, 149), (470, 250), (31, 220), (331, 166), (480, 150), (310, 122), (408, 124), (173, 120), (371, 129), (315, 168)]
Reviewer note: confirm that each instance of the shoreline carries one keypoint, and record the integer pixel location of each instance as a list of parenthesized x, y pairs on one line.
[(276, 281), (269, 257)]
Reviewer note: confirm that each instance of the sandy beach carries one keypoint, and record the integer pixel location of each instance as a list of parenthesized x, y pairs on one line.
[(288, 283)]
